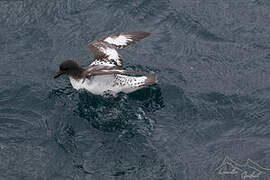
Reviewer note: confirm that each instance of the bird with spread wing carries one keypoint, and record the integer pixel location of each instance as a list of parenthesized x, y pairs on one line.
[(106, 74)]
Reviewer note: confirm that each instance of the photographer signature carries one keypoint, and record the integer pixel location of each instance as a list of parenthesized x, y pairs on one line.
[(248, 170)]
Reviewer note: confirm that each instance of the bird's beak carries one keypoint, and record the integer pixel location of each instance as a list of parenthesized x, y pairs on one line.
[(59, 74)]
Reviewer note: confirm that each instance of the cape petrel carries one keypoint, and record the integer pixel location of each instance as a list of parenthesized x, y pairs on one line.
[(106, 74)]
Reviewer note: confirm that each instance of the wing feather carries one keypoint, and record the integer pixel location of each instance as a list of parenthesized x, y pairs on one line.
[(104, 54), (121, 40), (105, 51)]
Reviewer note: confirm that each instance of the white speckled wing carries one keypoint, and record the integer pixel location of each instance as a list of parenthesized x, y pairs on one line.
[(105, 50), (105, 54), (128, 84)]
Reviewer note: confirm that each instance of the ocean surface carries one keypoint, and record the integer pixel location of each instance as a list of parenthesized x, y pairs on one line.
[(208, 118)]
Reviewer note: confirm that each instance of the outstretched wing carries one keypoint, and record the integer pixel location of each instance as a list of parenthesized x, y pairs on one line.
[(121, 40), (105, 50), (104, 54)]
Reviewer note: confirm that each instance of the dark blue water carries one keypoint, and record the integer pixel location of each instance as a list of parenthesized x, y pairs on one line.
[(212, 60)]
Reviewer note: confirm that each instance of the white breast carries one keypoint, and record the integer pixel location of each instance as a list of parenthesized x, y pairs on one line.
[(76, 84), (96, 85)]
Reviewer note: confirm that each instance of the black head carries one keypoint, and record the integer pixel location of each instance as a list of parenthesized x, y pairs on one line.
[(71, 68)]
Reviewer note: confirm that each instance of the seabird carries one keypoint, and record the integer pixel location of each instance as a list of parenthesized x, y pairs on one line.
[(106, 74)]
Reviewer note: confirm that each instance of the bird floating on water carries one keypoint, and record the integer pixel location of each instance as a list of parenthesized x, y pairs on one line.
[(106, 74)]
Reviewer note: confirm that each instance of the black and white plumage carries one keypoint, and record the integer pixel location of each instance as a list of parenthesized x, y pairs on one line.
[(105, 50), (105, 73)]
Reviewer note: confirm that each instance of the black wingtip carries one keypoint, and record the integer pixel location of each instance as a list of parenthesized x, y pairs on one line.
[(138, 35), (144, 33)]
